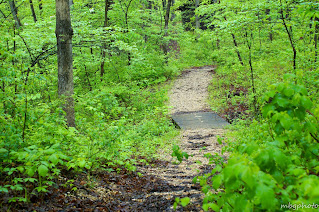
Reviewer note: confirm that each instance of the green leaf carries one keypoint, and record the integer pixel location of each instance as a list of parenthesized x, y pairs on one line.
[(217, 181), (286, 121), (32, 180), (3, 189), (282, 102), (175, 205), (205, 207), (289, 92), (266, 196), (185, 201), (305, 102), (20, 168), (177, 200), (43, 170), (3, 151), (212, 206), (54, 159), (268, 109), (81, 163), (30, 171), (49, 151)]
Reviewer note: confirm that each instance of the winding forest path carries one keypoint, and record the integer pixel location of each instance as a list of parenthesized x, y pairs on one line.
[(157, 184), (188, 96)]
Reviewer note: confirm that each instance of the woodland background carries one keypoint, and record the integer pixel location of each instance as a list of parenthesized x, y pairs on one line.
[(123, 53)]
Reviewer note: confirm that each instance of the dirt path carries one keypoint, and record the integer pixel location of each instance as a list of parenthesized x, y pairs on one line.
[(189, 94)]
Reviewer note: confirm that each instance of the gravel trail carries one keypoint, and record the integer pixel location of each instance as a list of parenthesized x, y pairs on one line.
[(189, 94)]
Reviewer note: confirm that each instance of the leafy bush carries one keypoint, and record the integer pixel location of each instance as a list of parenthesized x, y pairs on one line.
[(273, 162)]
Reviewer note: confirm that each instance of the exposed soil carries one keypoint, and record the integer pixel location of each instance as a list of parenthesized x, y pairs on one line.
[(163, 180)]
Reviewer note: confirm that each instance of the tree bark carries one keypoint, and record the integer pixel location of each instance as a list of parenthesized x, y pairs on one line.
[(64, 33), (289, 33), (237, 51), (125, 11), (269, 19), (40, 6), (14, 12), (236, 45), (106, 10), (168, 9), (173, 13), (33, 12), (166, 18), (316, 21)]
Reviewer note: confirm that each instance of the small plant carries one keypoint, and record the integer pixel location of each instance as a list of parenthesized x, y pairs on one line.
[(177, 152)]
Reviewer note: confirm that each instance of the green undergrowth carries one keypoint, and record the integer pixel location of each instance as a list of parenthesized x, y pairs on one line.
[(118, 126), (121, 122), (273, 162)]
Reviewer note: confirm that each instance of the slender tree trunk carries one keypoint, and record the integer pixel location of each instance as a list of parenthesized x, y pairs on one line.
[(269, 19), (125, 11), (106, 10), (196, 16), (14, 12), (249, 44), (164, 4), (289, 33), (236, 45), (2, 14), (33, 12), (173, 13), (237, 51), (168, 8), (64, 33), (40, 6), (316, 22)]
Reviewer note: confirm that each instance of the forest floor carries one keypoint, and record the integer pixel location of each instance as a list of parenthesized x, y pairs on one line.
[(163, 180)]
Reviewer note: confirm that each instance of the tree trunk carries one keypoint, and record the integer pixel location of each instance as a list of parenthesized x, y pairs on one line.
[(106, 10), (269, 19), (237, 51), (236, 45), (196, 16), (40, 6), (316, 21), (164, 4), (125, 11), (289, 33), (14, 12), (168, 8), (33, 12), (172, 13), (64, 33)]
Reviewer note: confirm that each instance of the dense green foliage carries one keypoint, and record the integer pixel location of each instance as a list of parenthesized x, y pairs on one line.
[(268, 77), (120, 116)]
